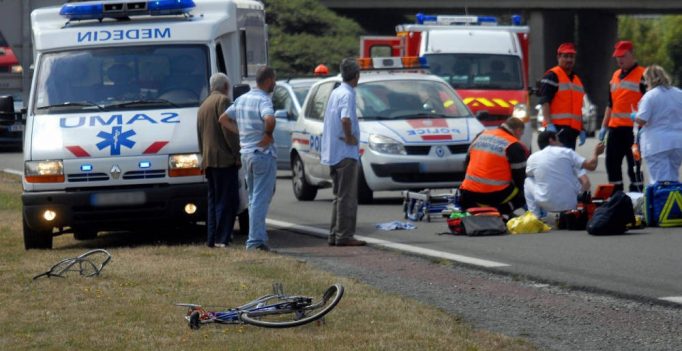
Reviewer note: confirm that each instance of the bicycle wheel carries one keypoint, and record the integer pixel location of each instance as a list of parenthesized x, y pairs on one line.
[(295, 313)]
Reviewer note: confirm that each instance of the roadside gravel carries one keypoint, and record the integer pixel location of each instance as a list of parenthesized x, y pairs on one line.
[(551, 317)]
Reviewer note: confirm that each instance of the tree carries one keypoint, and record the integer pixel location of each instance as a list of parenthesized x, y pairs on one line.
[(304, 33), (657, 40)]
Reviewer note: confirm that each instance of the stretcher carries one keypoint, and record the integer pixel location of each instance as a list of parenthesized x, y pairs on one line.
[(419, 205)]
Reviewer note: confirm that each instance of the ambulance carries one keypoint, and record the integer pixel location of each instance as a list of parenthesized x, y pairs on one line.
[(485, 62), (111, 137)]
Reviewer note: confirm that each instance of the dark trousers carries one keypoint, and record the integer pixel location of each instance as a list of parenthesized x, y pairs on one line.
[(567, 136), (505, 200), (619, 145), (223, 203), (345, 204)]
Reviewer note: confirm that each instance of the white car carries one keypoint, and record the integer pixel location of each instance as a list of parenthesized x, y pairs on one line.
[(414, 134), (287, 100)]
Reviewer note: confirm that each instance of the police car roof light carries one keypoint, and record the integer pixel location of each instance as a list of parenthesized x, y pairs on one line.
[(388, 63), (124, 8), (516, 20)]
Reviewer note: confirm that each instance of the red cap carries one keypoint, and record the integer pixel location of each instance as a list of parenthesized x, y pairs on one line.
[(566, 48), (321, 70), (622, 47)]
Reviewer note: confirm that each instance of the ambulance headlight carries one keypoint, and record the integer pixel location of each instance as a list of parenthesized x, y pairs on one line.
[(181, 165), (520, 112), (48, 171), (385, 145)]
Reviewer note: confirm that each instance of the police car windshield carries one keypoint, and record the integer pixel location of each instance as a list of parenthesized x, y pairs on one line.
[(478, 71), (401, 99), (122, 78)]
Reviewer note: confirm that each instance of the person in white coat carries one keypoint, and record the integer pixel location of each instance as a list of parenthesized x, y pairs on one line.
[(659, 118), (556, 176)]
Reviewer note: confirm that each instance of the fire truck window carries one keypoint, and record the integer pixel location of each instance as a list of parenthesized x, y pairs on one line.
[(381, 51)]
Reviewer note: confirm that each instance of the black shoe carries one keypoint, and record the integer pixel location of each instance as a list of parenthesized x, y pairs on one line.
[(261, 247), (351, 242)]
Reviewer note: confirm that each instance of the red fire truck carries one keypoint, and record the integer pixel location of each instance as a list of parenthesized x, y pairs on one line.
[(485, 62)]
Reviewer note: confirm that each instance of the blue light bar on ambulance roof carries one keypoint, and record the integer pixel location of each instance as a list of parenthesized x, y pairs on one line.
[(454, 20), (122, 8)]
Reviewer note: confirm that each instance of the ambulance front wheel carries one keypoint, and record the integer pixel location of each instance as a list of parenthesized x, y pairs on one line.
[(37, 239)]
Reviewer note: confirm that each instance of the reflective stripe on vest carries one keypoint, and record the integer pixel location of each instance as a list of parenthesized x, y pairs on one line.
[(489, 169), (625, 96), (566, 106)]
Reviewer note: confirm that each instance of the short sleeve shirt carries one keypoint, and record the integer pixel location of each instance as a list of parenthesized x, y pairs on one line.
[(249, 110), (341, 105), (661, 108), (555, 170)]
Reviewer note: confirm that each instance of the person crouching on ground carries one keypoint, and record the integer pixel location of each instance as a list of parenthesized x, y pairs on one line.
[(556, 176), (496, 169)]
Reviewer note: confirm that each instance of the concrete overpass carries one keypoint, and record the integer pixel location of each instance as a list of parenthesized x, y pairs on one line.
[(591, 24)]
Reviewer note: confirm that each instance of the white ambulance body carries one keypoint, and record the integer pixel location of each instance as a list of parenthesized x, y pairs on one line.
[(111, 139)]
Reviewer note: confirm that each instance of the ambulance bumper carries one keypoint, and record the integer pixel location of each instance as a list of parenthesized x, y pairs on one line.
[(116, 209)]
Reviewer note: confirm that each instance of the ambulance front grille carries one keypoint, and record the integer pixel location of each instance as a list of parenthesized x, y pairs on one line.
[(87, 177), (145, 174)]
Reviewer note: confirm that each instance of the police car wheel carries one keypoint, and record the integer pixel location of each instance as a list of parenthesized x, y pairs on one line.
[(36, 239), (365, 194), (243, 222), (303, 190)]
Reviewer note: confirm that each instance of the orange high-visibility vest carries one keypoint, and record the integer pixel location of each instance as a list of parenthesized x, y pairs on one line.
[(566, 106), (489, 170), (625, 95)]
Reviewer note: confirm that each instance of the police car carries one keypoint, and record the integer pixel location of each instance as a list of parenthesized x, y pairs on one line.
[(287, 99), (111, 133), (414, 131)]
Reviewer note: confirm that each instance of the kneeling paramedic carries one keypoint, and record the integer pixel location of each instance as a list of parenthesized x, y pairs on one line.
[(496, 169), (556, 176)]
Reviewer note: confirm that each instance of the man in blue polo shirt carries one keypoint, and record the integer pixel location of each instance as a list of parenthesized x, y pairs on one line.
[(253, 114)]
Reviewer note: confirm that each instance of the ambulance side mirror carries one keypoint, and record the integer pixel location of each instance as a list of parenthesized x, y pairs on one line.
[(239, 90)]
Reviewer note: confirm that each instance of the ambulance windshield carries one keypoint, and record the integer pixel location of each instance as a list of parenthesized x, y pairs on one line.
[(148, 77), (478, 71)]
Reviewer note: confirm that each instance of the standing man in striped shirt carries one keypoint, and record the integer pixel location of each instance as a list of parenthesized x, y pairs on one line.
[(253, 114)]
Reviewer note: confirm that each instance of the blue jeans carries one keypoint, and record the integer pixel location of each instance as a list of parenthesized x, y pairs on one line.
[(261, 174), (223, 202)]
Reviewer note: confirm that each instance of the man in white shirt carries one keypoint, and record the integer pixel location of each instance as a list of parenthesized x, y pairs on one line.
[(556, 175)]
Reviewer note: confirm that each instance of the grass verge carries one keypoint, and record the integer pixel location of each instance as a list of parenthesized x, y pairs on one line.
[(131, 305)]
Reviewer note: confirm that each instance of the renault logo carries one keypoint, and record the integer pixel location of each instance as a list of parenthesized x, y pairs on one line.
[(115, 172), (440, 151)]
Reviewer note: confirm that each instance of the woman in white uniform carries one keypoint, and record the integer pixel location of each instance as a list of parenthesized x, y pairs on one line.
[(660, 121)]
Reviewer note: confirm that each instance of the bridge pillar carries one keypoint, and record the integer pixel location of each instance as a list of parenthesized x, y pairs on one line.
[(597, 32), (593, 32)]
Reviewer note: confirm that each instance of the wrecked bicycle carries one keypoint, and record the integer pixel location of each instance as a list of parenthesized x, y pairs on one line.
[(275, 310)]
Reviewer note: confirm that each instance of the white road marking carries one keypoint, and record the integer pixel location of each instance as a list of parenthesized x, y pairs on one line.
[(675, 299), (13, 171), (323, 233)]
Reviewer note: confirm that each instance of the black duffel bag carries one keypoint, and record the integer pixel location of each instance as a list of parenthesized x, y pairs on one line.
[(613, 216)]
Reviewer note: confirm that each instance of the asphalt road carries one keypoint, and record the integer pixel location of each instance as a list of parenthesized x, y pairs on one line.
[(642, 263)]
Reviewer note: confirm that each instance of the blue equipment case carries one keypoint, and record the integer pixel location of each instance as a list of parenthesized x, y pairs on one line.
[(664, 204)]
